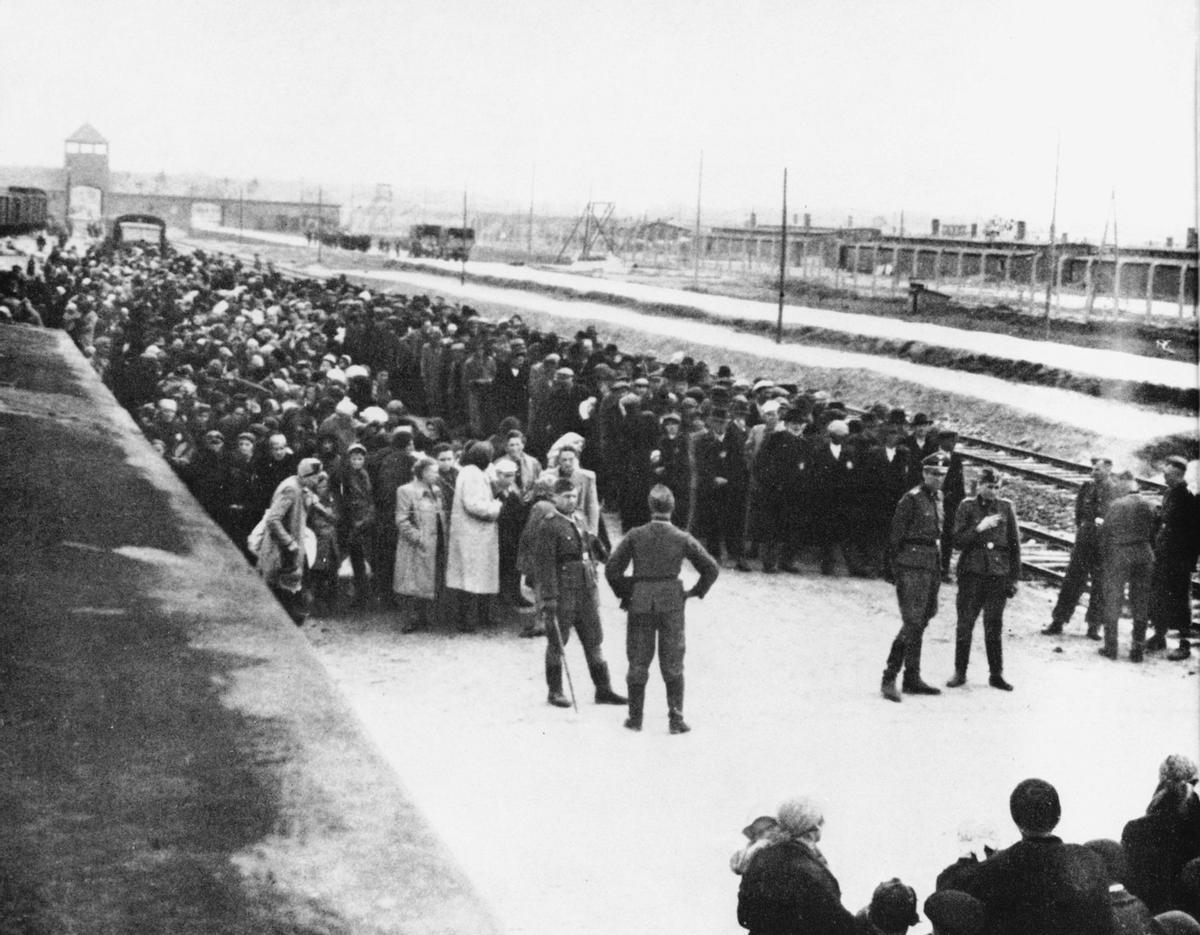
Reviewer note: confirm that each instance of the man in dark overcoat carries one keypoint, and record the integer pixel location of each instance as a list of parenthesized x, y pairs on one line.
[(1091, 503), (721, 482), (1175, 552)]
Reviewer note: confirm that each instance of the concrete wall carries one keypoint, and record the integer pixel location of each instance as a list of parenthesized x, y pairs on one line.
[(174, 758)]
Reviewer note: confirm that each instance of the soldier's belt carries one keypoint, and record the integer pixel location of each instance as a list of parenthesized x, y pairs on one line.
[(640, 578), (932, 542)]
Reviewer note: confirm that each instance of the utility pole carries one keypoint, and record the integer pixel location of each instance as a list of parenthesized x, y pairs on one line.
[(532, 184), (320, 221), (1051, 281), (1116, 260), (696, 243), (462, 271), (783, 248)]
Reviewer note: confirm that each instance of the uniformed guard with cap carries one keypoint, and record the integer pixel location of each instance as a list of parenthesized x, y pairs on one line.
[(916, 563), (565, 577), (1127, 545), (654, 599), (985, 529)]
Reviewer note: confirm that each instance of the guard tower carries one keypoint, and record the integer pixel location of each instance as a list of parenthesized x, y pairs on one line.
[(85, 159)]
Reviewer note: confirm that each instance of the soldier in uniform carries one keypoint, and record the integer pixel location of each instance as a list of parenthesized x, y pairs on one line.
[(985, 529), (565, 578), (1175, 552), (1127, 544), (917, 567), (1091, 503), (654, 599)]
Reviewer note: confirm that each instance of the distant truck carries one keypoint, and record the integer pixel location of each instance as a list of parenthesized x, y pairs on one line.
[(442, 243), (132, 229)]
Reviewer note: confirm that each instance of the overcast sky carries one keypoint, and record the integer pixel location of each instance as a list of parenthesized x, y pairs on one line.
[(946, 108)]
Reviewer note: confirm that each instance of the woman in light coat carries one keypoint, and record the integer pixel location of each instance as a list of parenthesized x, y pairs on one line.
[(281, 556), (420, 574), (473, 562)]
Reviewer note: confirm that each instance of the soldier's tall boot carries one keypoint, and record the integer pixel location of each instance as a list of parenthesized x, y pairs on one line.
[(637, 700), (555, 694), (603, 683), (675, 721), (912, 683), (995, 658), (895, 660), (962, 656)]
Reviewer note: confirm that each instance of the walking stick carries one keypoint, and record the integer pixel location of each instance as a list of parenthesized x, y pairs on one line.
[(562, 657)]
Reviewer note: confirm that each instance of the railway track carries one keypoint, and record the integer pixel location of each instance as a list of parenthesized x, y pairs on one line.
[(1045, 552), (1047, 469)]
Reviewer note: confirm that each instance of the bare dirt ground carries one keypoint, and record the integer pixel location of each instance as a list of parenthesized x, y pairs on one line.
[(569, 823)]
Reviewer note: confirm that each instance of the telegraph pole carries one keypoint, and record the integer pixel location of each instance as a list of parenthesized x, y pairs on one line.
[(320, 219), (1050, 282), (783, 248), (696, 243), (462, 270), (532, 186)]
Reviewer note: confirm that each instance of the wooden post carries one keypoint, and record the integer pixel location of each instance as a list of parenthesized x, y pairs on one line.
[(1150, 289), (696, 245), (1117, 285), (1182, 287), (782, 263), (1088, 288)]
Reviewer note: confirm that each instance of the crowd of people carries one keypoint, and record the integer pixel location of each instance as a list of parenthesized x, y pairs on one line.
[(239, 374), (1148, 883), (449, 458)]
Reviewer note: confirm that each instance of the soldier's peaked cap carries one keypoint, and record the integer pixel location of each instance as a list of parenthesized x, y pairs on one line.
[(938, 461)]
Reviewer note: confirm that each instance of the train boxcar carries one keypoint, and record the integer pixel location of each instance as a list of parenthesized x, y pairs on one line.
[(131, 229), (22, 210)]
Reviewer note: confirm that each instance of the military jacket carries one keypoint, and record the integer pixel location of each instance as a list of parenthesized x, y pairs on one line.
[(996, 551), (1092, 501), (657, 550), (916, 530), (562, 557)]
